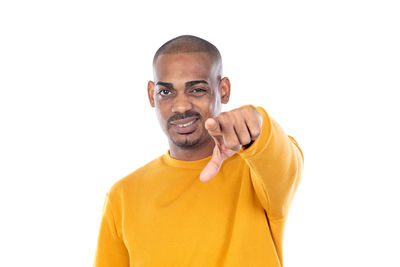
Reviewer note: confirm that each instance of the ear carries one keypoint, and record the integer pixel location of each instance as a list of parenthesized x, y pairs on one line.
[(225, 90), (150, 92)]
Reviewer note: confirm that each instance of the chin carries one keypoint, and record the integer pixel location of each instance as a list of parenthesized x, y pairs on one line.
[(186, 141)]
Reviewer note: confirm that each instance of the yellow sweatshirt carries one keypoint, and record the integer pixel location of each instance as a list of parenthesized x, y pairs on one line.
[(163, 215)]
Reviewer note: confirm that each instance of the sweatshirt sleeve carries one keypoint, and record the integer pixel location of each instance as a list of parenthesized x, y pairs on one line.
[(111, 250), (276, 166)]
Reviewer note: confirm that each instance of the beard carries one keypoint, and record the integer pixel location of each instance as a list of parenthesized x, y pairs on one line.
[(186, 143)]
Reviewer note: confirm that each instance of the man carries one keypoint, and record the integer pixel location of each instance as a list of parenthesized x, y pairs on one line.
[(221, 194)]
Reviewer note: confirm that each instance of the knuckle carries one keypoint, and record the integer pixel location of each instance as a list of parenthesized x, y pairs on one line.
[(231, 144), (238, 115), (256, 133), (226, 123), (222, 114), (238, 110), (222, 117), (248, 109), (246, 140)]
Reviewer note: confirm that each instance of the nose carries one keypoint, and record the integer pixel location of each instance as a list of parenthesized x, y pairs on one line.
[(181, 104)]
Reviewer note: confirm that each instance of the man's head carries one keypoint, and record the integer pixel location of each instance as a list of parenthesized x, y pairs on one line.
[(187, 89)]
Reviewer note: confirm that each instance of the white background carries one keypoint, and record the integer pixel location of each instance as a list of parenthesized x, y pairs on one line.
[(75, 118)]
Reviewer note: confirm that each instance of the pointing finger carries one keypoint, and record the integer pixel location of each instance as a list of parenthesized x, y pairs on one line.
[(213, 127)]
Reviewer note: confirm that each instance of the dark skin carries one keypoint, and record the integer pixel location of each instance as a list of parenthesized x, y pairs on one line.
[(187, 94)]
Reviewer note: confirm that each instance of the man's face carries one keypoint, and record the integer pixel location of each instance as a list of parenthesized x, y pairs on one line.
[(185, 93)]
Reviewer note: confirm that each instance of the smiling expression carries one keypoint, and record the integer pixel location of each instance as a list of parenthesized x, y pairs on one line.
[(187, 89)]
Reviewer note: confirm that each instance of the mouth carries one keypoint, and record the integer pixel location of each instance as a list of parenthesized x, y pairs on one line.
[(185, 126)]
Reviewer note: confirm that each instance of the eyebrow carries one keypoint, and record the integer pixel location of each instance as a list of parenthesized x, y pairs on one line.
[(191, 83), (187, 84), (168, 85)]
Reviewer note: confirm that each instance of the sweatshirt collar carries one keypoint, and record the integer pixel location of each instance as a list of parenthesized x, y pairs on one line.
[(187, 164)]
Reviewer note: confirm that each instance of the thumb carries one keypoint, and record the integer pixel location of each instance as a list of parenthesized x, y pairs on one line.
[(212, 167)]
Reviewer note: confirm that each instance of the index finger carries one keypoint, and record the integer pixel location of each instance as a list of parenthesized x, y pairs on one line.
[(213, 127)]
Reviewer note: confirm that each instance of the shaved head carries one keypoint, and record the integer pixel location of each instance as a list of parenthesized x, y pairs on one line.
[(188, 88), (190, 44)]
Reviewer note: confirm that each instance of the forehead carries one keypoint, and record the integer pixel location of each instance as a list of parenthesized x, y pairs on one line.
[(183, 67)]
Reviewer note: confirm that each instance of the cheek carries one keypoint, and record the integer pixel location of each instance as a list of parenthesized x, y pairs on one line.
[(162, 108), (162, 115), (211, 107), (207, 110)]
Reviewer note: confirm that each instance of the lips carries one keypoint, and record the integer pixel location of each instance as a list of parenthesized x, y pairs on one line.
[(185, 126)]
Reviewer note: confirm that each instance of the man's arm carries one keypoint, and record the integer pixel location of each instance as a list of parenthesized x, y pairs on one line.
[(276, 164), (274, 158), (111, 250)]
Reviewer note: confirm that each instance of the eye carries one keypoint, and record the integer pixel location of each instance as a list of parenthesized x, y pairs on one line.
[(198, 91), (164, 92)]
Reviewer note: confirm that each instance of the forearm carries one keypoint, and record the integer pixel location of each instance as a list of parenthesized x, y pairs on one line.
[(276, 165)]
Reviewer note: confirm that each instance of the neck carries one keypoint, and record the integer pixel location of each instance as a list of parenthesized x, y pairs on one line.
[(193, 153)]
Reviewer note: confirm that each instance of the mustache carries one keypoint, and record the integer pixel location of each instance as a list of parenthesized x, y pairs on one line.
[(181, 116)]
